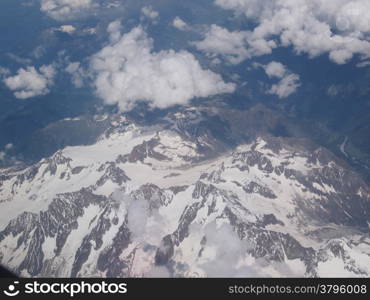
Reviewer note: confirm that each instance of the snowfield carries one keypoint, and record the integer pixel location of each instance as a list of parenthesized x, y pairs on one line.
[(147, 201)]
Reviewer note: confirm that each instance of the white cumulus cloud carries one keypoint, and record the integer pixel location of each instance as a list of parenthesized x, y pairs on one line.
[(234, 46), (30, 82), (128, 70), (67, 29), (180, 24), (223, 251), (288, 81), (339, 28), (138, 214), (66, 9), (275, 69), (77, 74), (149, 13), (286, 86)]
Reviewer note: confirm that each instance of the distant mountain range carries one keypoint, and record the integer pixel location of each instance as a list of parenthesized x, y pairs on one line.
[(201, 191)]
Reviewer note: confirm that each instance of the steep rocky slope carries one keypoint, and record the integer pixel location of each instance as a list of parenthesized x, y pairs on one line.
[(201, 193)]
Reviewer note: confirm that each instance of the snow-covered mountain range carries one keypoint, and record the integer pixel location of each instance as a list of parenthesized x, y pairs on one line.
[(203, 192)]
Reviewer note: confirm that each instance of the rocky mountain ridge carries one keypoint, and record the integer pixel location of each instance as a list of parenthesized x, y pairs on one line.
[(196, 194)]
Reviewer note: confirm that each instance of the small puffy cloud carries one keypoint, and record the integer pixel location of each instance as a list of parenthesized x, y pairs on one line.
[(114, 30), (288, 83), (146, 225), (275, 69), (8, 146), (180, 24), (286, 86), (150, 14), (30, 82), (70, 29), (38, 52), (137, 217), (223, 251), (77, 74), (234, 46), (89, 31), (128, 70), (339, 28), (66, 9), (220, 41)]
